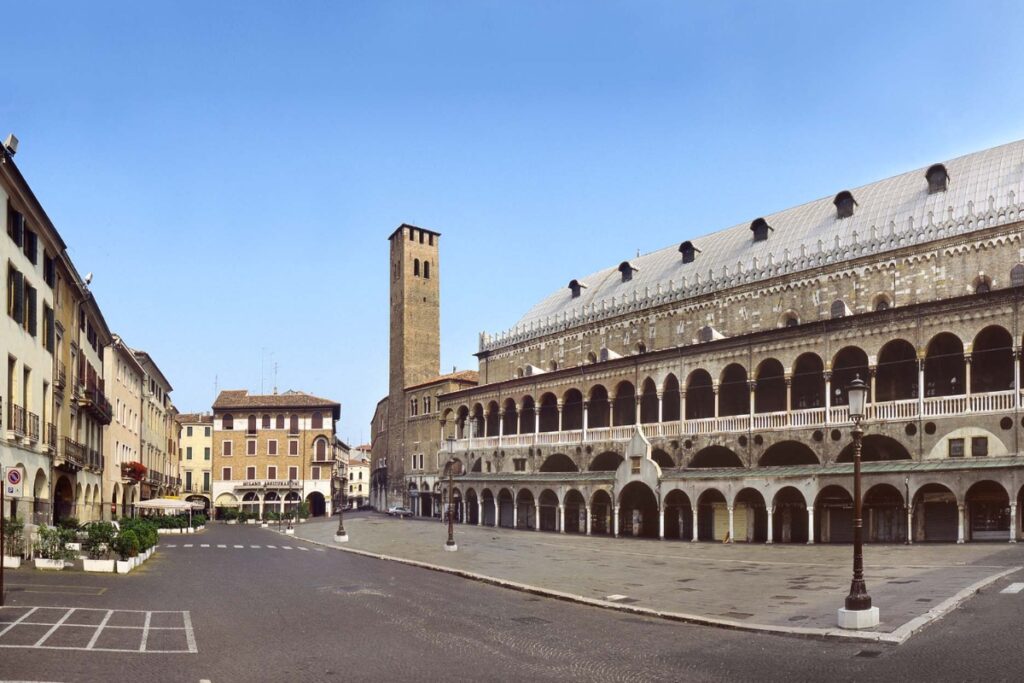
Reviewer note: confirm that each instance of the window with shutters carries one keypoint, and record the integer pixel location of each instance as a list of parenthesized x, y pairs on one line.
[(225, 474), (272, 447), (250, 447), (15, 225), (226, 448), (293, 447), (266, 421), (49, 331), (279, 422), (316, 473), (229, 421), (251, 424), (31, 246), (30, 309), (49, 270), (318, 421), (293, 473), (271, 471), (250, 472), (15, 294), (321, 449), (293, 424)]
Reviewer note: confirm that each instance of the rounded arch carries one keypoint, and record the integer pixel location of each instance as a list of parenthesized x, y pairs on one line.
[(558, 462), (750, 516), (700, 395), (510, 420), (884, 515), (598, 407), (833, 515), (493, 419), (678, 515), (527, 412), (601, 512), (712, 516), (992, 360), (572, 410), (944, 366), (548, 412), (770, 388), (505, 505), (63, 499), (472, 512), (317, 504), (489, 507), (648, 402), (988, 512), (808, 382), (547, 502), (716, 456), (789, 516), (624, 408), (850, 363), (662, 457), (733, 391), (876, 448), (788, 453), (638, 510), (608, 461), (896, 371), (525, 509), (670, 399), (575, 506), (935, 514)]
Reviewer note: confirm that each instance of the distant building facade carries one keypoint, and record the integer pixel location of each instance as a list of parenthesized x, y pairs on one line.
[(195, 447)]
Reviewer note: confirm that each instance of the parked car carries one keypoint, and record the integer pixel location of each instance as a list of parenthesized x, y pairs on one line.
[(399, 511)]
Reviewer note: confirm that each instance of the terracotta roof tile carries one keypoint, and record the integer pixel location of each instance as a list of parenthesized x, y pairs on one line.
[(462, 376), (240, 398)]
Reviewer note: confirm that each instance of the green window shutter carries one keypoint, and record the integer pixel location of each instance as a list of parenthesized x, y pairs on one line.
[(30, 299), (18, 305)]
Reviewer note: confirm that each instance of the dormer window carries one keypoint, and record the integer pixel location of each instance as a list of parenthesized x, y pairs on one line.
[(760, 228), (938, 178), (844, 202), (626, 268), (575, 286), (688, 251)]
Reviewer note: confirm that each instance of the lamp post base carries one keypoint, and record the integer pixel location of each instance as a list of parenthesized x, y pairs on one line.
[(858, 618), (451, 548), (341, 538)]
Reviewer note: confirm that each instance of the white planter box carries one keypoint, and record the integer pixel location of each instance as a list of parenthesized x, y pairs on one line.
[(77, 547), (136, 561), (161, 532), (290, 532), (40, 563), (98, 566), (232, 521), (11, 562), (123, 567), (254, 521), (190, 530), (265, 525)]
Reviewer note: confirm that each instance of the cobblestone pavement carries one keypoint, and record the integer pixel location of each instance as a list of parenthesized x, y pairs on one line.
[(789, 586)]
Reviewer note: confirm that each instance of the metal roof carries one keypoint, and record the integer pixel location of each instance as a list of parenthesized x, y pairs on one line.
[(984, 188)]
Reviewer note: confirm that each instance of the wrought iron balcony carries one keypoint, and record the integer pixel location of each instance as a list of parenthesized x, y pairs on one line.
[(33, 427), (16, 420), (71, 454), (94, 401)]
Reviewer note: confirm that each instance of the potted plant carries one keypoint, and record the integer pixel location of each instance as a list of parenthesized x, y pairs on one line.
[(98, 544), (14, 541), (230, 516), (303, 511), (51, 549), (127, 545)]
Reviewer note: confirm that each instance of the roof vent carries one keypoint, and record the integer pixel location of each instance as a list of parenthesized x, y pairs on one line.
[(938, 178), (627, 268), (760, 228), (688, 251), (575, 286), (844, 202)]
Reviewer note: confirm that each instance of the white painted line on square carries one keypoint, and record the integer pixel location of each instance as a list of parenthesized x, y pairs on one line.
[(188, 545), (204, 545), (239, 546), (190, 635), (287, 547), (616, 597), (55, 627), (1013, 588), (303, 548), (273, 547), (221, 545), (20, 619), (255, 546), (319, 550), (145, 632), (172, 545), (99, 629)]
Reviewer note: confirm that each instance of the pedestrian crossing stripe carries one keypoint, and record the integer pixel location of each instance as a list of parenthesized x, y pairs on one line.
[(1013, 588)]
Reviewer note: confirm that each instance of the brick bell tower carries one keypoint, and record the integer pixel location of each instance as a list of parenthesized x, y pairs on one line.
[(415, 353)]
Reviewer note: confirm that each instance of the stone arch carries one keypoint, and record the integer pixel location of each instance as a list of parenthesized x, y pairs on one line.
[(559, 462), (506, 505), (700, 395), (638, 510), (490, 508), (712, 515), (548, 412), (662, 457), (624, 408), (733, 391), (63, 499), (472, 513), (884, 515), (896, 371), (808, 382), (944, 366), (833, 515), (935, 513), (670, 399), (770, 391), (789, 516), (527, 419), (509, 418), (526, 510), (876, 448), (788, 453), (987, 508), (992, 360), (493, 418), (575, 512), (598, 407), (850, 363), (607, 461), (648, 402), (601, 512), (547, 502), (716, 456), (678, 516), (750, 516), (572, 410)]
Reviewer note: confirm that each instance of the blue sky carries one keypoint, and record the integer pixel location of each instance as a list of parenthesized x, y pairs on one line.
[(230, 171)]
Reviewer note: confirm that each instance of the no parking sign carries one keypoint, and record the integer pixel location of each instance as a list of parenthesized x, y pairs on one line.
[(13, 482)]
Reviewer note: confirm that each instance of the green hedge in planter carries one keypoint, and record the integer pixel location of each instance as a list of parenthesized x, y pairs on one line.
[(99, 540), (53, 543), (127, 545), (14, 537)]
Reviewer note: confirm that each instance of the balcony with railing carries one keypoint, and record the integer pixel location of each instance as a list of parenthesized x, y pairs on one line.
[(96, 403), (15, 421), (33, 427), (50, 436), (71, 454), (94, 461), (60, 377), (883, 411)]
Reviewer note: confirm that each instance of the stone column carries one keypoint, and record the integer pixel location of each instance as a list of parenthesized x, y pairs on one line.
[(828, 397), (1016, 378), (661, 523), (771, 512), (661, 411), (586, 404), (682, 411), (752, 384), (920, 387), (810, 525), (501, 425), (615, 521), (714, 389), (636, 410), (561, 518), (732, 535), (872, 371), (910, 524), (967, 379), (960, 523), (560, 405), (588, 520), (1013, 521), (536, 515), (479, 511), (695, 534), (536, 418), (515, 511)]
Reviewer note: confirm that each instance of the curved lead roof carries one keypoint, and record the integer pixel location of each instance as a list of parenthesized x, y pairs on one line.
[(978, 183)]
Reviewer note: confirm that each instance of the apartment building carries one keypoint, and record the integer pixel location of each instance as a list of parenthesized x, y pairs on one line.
[(159, 442), (195, 448)]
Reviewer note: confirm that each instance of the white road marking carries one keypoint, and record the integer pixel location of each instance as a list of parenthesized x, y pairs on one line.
[(55, 627), (190, 635), (204, 545), (616, 597), (255, 546), (302, 548), (272, 546), (239, 546), (1013, 588), (172, 545), (221, 545), (145, 632), (17, 621), (99, 629), (287, 547), (319, 550), (188, 545)]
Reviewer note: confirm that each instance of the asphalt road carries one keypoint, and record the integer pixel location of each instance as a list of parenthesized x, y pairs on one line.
[(270, 614)]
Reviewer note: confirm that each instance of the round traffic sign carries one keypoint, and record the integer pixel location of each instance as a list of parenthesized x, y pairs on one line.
[(13, 476)]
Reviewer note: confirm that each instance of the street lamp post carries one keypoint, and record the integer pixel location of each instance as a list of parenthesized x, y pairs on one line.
[(340, 536), (450, 545), (858, 612)]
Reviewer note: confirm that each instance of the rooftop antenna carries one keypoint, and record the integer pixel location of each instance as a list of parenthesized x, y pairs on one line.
[(215, 388), (262, 350), (275, 377)]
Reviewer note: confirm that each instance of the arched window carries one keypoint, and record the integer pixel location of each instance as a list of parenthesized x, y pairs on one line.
[(640, 348), (293, 427), (591, 358), (318, 420), (838, 309), (426, 269), (229, 421), (983, 285), (266, 421), (1017, 275), (553, 365), (321, 449), (279, 422), (416, 267), (412, 407), (882, 303)]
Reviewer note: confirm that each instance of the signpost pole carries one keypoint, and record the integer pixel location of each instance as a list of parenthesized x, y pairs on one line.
[(3, 505)]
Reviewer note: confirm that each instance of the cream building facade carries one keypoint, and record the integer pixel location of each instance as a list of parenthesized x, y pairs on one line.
[(196, 452), (123, 442), (159, 443)]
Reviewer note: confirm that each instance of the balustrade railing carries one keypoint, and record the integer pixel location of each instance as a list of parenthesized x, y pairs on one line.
[(73, 452), (904, 409), (33, 427), (16, 419)]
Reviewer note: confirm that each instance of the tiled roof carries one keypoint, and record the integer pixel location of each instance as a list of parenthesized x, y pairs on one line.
[(846, 469), (194, 418), (461, 376), (240, 398), (984, 189)]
